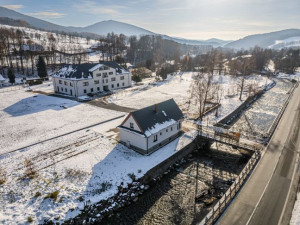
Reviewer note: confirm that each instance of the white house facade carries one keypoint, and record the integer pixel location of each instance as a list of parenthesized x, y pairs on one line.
[(88, 78), (2, 80), (150, 128)]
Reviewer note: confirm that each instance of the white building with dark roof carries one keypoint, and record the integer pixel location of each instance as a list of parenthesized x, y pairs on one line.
[(150, 128), (82, 79), (2, 80)]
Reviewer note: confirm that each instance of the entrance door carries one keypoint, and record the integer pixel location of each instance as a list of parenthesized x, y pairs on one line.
[(71, 92)]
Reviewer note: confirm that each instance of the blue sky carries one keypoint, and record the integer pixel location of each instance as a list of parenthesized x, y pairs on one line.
[(193, 19)]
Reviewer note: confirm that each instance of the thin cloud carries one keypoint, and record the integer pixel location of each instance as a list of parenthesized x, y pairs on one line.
[(94, 8), (13, 7), (47, 14)]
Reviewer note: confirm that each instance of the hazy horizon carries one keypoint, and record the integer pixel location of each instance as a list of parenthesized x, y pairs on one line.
[(189, 19)]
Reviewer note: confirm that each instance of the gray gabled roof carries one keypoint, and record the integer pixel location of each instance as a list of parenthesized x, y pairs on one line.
[(79, 71), (147, 118)]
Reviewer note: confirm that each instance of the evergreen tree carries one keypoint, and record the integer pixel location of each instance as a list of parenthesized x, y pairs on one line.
[(11, 76), (136, 78), (41, 67)]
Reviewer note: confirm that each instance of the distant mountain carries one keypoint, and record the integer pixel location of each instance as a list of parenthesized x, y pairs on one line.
[(12, 22), (213, 41), (108, 26), (101, 28), (34, 22), (267, 40)]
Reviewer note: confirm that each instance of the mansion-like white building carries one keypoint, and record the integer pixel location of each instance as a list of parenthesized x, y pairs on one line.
[(82, 79)]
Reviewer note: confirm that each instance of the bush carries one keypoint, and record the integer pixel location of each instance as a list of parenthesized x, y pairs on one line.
[(2, 176), (30, 170), (29, 219), (52, 195), (104, 186), (38, 194)]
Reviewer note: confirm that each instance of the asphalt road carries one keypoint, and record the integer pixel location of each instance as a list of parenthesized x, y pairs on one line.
[(262, 200)]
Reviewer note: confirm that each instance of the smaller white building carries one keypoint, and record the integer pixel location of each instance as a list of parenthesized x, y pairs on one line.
[(2, 80), (150, 128), (89, 78)]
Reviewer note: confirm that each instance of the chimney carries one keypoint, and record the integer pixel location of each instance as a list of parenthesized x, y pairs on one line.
[(156, 108)]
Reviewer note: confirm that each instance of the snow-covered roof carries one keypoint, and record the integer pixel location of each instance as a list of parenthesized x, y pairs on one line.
[(1, 78), (95, 67), (84, 71), (156, 117)]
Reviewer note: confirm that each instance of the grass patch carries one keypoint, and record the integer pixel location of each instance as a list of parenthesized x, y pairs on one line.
[(52, 195), (73, 174)]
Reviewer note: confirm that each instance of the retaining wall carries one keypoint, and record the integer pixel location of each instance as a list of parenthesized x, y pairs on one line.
[(160, 168)]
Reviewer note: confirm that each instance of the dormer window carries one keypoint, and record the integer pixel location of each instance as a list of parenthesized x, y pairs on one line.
[(131, 125)]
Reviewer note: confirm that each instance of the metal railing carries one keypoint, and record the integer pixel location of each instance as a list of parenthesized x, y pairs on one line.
[(221, 205), (210, 133)]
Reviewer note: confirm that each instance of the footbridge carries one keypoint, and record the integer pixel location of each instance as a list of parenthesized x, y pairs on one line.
[(234, 139)]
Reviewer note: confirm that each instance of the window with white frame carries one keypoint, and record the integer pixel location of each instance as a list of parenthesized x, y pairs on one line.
[(121, 77), (131, 125), (86, 83), (111, 73), (71, 84), (96, 81), (98, 75), (59, 81), (66, 83), (155, 138), (113, 79)]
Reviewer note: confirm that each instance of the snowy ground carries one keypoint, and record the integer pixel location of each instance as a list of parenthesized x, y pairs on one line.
[(178, 87), (27, 118), (85, 165), (295, 220)]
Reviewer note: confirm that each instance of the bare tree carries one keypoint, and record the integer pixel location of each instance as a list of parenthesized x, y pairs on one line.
[(245, 69), (201, 91)]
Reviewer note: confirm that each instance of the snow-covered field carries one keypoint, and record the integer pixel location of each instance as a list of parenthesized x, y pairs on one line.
[(27, 118)]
